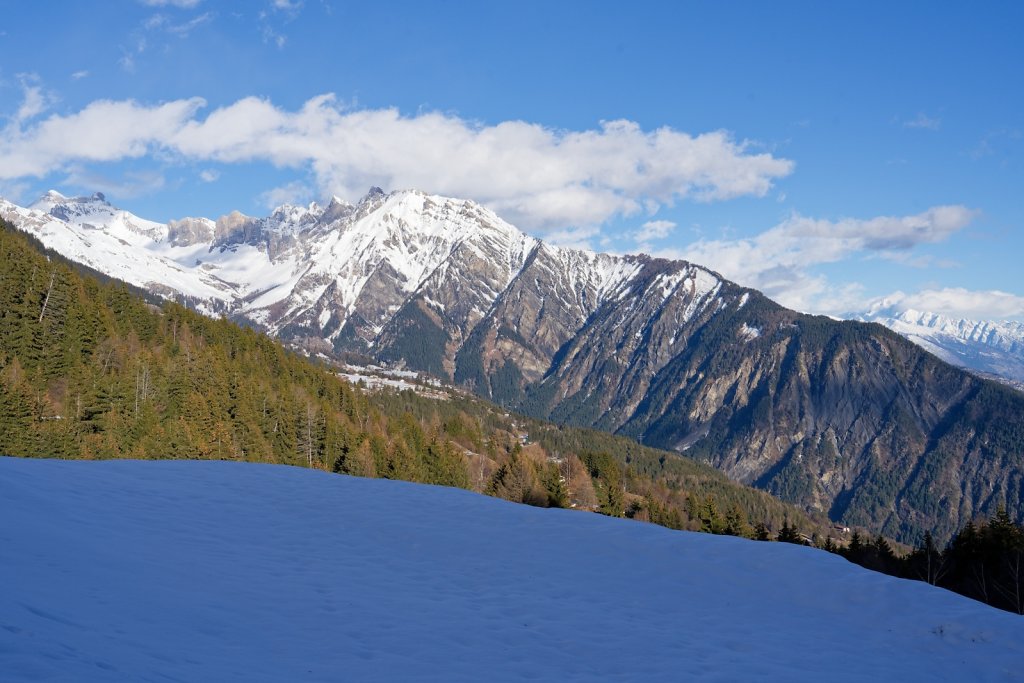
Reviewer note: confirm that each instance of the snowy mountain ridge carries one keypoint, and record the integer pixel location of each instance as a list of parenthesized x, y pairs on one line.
[(991, 348), (317, 266)]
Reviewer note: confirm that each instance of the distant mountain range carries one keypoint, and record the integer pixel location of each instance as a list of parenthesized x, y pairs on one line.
[(844, 417), (990, 349)]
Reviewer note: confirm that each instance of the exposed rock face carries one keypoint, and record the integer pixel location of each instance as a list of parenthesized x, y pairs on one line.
[(231, 227), (845, 417), (189, 231)]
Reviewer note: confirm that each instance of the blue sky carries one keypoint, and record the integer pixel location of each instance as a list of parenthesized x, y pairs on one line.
[(833, 155)]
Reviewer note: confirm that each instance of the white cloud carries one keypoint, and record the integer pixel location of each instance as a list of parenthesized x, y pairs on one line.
[(997, 142), (270, 36), (183, 4), (906, 258), (923, 121), (33, 104), (209, 175), (538, 177), (294, 192), (155, 22), (285, 11), (182, 30), (103, 131), (131, 184), (653, 230), (139, 44), (15, 191), (164, 23), (956, 302), (127, 62), (576, 238), (778, 261), (34, 100), (79, 75), (155, 28)]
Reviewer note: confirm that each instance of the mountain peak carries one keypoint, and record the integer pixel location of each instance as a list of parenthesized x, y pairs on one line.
[(335, 209), (48, 201), (296, 214), (53, 198), (373, 194)]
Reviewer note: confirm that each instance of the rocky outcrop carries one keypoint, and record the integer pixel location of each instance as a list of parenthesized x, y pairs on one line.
[(189, 231)]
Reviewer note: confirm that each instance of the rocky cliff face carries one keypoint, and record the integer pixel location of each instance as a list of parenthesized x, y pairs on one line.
[(844, 417)]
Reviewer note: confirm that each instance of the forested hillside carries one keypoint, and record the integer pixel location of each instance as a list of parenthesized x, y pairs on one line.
[(90, 370)]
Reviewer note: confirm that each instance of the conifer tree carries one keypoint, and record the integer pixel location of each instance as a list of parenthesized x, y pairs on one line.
[(788, 534)]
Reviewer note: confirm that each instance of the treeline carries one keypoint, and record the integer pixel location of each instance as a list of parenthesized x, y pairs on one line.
[(676, 491), (562, 466), (89, 369), (983, 561)]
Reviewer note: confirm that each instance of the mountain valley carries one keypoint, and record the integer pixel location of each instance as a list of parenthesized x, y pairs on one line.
[(844, 418)]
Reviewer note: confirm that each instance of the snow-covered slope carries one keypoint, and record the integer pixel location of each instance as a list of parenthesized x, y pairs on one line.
[(993, 348), (321, 263), (319, 271), (91, 231), (213, 571)]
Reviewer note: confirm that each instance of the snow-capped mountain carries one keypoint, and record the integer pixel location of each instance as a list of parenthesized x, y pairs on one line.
[(838, 416), (992, 349), (356, 277), (120, 244), (335, 271)]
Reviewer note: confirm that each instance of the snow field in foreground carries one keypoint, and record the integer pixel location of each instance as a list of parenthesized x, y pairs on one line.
[(213, 571)]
